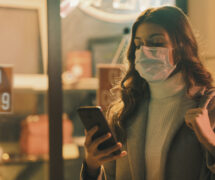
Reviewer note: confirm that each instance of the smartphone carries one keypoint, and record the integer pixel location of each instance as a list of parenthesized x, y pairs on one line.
[(93, 116)]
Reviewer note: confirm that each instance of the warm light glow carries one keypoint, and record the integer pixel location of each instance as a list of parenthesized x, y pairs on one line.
[(74, 3), (95, 8), (67, 6), (126, 5), (5, 156), (115, 5)]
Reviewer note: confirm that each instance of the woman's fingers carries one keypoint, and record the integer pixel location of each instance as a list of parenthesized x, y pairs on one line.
[(85, 132), (111, 158), (189, 124), (98, 141), (109, 150), (95, 157), (89, 135), (193, 115), (188, 120), (195, 110)]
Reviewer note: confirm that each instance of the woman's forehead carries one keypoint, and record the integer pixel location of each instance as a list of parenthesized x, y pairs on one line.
[(149, 31)]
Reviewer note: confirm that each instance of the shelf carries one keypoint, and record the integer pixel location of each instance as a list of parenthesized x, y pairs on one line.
[(70, 151), (39, 83)]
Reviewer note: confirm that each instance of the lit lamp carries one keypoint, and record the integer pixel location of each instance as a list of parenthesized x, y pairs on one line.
[(123, 11), (67, 6)]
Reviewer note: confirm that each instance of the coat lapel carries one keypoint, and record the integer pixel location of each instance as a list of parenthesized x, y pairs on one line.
[(186, 103), (136, 142), (137, 135)]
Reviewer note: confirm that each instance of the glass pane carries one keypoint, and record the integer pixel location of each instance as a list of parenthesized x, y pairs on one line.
[(95, 35), (24, 131)]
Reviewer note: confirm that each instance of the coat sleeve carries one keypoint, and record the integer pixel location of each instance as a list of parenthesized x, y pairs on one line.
[(110, 170), (207, 171), (85, 176), (210, 160), (106, 172)]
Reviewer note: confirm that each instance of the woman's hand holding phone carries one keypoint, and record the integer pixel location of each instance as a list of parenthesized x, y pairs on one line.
[(95, 158)]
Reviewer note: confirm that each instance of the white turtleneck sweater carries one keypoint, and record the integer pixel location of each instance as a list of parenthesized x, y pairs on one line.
[(165, 99)]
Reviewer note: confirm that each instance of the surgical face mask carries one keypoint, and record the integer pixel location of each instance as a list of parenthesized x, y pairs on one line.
[(153, 64)]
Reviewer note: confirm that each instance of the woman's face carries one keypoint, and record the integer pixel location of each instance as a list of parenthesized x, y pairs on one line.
[(153, 35)]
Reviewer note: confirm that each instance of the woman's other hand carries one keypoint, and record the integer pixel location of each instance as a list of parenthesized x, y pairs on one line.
[(198, 120), (95, 158)]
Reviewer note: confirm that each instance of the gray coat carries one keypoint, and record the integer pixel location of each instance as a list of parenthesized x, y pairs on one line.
[(183, 157)]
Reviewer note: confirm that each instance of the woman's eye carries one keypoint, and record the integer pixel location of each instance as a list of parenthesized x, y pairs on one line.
[(156, 44), (137, 44), (138, 47)]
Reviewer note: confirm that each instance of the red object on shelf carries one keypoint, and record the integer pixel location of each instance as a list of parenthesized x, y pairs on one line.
[(79, 63), (109, 75), (34, 139)]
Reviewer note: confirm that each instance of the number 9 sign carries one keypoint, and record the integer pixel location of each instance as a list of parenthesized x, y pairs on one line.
[(6, 84)]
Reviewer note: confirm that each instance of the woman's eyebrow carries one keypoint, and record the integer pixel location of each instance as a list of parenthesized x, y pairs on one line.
[(156, 34), (151, 36)]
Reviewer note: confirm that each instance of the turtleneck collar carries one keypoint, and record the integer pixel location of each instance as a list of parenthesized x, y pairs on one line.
[(168, 88)]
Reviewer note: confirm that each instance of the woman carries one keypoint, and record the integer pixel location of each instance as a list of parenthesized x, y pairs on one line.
[(164, 118)]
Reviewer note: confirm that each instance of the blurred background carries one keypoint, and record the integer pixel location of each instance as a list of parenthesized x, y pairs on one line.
[(94, 36)]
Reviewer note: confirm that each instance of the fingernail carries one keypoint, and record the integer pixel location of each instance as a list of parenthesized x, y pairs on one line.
[(109, 134), (119, 144), (124, 153)]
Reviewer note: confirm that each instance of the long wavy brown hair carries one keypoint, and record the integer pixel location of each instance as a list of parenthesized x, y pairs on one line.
[(134, 88)]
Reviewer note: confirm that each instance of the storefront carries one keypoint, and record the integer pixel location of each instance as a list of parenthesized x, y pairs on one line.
[(57, 56)]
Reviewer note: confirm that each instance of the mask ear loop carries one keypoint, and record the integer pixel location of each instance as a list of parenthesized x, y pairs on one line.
[(176, 56), (137, 55), (176, 65)]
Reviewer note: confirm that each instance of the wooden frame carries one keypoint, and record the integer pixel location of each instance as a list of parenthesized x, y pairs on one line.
[(55, 94), (41, 7)]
